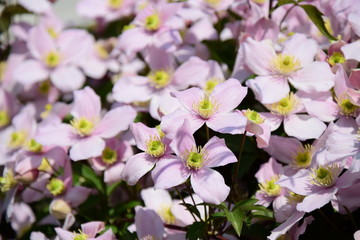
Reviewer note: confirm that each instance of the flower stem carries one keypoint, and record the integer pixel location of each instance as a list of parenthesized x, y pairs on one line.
[(207, 132), (351, 218), (182, 199), (239, 160)]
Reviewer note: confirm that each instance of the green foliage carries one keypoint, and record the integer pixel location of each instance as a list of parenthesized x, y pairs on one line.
[(197, 230), (316, 17)]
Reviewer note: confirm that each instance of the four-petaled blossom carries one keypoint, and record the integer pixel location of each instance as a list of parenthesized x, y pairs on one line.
[(215, 109), (196, 163), (87, 131)]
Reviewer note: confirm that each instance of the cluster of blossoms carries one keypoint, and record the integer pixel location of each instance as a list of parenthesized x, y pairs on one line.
[(156, 120)]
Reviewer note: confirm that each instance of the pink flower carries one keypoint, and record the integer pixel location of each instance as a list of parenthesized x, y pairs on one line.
[(112, 160), (156, 148), (214, 109), (144, 230), (152, 27), (88, 231), (195, 162), (88, 129), (301, 126), (52, 59), (295, 64)]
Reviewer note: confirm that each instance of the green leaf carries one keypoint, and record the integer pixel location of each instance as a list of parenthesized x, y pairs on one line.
[(192, 209), (316, 17), (218, 215), (197, 230), (8, 13), (236, 218), (112, 187), (250, 201), (254, 207), (91, 176), (263, 215), (283, 2)]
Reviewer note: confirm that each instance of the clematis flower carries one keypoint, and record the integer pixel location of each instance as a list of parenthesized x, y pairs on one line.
[(156, 148), (195, 162), (106, 10), (87, 131), (214, 109), (152, 26), (88, 231), (301, 126), (294, 64), (144, 230), (318, 185), (112, 160), (52, 59)]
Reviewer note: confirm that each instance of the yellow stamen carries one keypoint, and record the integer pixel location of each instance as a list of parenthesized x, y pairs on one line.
[(303, 158), (109, 156), (155, 147), (270, 188), (101, 51), (211, 84), (52, 59), (166, 214), (336, 57), (52, 32), (7, 182), (285, 106), (159, 79), (325, 176), (195, 157), (80, 236), (115, 4), (83, 126), (17, 139), (254, 116), (33, 146), (152, 22), (206, 107), (285, 64), (55, 186), (4, 118), (347, 108)]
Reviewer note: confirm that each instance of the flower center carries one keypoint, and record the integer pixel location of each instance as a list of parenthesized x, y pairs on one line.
[(213, 3), (17, 139), (52, 32), (270, 188), (152, 22), (285, 106), (211, 84), (2, 70), (293, 198), (44, 87), (55, 186), (109, 156), (285, 64), (167, 215), (303, 158), (254, 116), (195, 158), (101, 51), (325, 176), (34, 146), (155, 147), (47, 110), (83, 126), (336, 57), (52, 59), (4, 118), (159, 79), (206, 108), (347, 107), (45, 166), (115, 4), (80, 236), (7, 182)]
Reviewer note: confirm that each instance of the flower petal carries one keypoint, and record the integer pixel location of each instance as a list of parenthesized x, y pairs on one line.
[(303, 126), (136, 167), (230, 122), (228, 95), (218, 153), (86, 148), (169, 172), (210, 186)]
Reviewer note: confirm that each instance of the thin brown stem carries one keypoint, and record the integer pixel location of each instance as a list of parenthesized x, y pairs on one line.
[(182, 199)]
